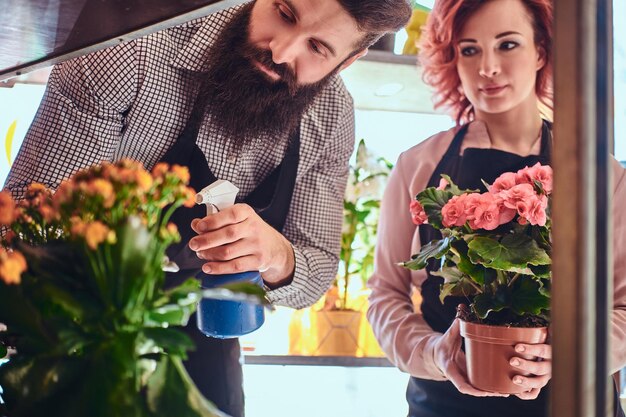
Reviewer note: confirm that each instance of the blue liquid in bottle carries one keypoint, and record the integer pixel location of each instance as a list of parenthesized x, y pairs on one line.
[(224, 319)]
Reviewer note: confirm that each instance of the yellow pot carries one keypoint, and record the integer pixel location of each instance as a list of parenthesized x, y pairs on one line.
[(337, 332)]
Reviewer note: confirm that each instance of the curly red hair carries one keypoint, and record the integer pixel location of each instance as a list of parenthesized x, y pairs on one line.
[(438, 52)]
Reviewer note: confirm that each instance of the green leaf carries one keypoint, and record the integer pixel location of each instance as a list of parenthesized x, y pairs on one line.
[(114, 369), (514, 253), (187, 293), (527, 297), (172, 341), (172, 393), (486, 302), (21, 317), (169, 315), (434, 249), (432, 200), (247, 288), (455, 283), (475, 271), (29, 382), (454, 189), (541, 271)]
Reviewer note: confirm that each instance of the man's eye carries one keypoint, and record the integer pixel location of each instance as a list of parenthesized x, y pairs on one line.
[(286, 16), (314, 47)]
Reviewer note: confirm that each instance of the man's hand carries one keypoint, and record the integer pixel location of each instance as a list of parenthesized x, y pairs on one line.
[(236, 240), (541, 371), (451, 361)]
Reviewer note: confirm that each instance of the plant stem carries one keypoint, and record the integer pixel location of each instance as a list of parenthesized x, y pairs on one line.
[(473, 284), (515, 277)]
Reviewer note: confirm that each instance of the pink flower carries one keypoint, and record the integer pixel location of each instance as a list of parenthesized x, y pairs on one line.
[(483, 212), (506, 214), (453, 212), (418, 215), (539, 173), (503, 182), (443, 183), (533, 211), (517, 193)]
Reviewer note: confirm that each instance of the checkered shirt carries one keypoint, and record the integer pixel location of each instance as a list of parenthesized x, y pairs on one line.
[(134, 99)]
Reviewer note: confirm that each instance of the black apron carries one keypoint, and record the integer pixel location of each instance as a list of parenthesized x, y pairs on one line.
[(428, 398), (215, 364)]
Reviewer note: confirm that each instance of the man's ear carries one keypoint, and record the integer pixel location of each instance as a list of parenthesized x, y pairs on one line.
[(353, 58)]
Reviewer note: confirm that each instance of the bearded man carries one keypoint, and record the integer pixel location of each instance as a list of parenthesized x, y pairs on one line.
[(250, 95)]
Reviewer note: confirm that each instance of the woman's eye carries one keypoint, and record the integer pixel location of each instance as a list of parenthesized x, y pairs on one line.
[(508, 45), (468, 51)]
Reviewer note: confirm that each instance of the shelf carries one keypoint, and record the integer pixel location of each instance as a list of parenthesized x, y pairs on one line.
[(342, 361), (42, 33)]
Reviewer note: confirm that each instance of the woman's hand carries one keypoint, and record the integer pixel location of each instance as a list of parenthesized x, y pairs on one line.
[(539, 366), (451, 361), (236, 239)]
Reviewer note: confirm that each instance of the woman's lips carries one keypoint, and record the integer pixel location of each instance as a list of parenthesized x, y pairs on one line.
[(492, 90)]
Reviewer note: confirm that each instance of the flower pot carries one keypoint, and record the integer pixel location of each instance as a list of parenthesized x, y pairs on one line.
[(337, 332), (488, 350)]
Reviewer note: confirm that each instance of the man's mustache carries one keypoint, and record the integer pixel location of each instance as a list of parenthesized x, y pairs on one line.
[(264, 57)]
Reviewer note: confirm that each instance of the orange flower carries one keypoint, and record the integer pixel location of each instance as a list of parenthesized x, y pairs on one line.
[(96, 233), (7, 208), (190, 197), (170, 232), (181, 172), (160, 169), (36, 187), (12, 265), (63, 194), (9, 236), (103, 188), (78, 227), (125, 175), (48, 213), (130, 164), (144, 180)]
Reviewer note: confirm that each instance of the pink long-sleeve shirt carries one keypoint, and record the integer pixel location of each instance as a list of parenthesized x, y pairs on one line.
[(405, 337)]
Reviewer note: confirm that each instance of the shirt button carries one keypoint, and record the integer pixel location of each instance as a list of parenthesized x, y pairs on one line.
[(232, 159)]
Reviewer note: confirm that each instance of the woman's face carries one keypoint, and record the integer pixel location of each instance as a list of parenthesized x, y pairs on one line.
[(498, 59)]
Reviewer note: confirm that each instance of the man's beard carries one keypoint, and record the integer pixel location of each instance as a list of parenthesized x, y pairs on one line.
[(241, 101)]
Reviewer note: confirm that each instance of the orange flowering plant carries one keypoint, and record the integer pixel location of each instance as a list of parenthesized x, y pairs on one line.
[(90, 327)]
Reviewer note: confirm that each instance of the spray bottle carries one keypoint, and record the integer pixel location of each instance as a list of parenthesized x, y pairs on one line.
[(225, 319)]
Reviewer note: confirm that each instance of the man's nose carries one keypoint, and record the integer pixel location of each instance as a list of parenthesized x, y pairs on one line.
[(284, 49), (489, 64)]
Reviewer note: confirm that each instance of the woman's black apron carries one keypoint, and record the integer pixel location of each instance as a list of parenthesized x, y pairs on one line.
[(215, 364), (428, 398)]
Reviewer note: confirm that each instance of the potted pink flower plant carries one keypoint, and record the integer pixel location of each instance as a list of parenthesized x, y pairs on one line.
[(494, 250)]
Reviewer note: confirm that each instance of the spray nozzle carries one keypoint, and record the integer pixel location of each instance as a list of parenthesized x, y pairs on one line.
[(217, 196)]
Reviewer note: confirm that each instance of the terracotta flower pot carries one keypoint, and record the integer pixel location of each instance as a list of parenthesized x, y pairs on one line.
[(488, 350), (338, 332)]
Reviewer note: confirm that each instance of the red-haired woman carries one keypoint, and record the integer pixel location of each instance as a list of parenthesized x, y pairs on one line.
[(490, 63)]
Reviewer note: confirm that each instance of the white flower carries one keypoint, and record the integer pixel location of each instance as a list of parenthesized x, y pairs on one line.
[(352, 191)]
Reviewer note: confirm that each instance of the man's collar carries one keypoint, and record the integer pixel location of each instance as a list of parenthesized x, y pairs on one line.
[(194, 55)]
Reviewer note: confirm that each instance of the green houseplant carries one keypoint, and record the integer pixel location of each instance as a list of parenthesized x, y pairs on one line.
[(361, 204), (337, 322), (494, 250), (90, 327)]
